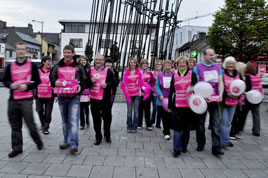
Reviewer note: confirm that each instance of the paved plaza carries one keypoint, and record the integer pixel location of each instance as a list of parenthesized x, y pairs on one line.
[(144, 154)]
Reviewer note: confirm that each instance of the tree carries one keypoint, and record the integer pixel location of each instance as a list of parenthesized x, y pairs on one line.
[(240, 29), (114, 52), (89, 51), (71, 43)]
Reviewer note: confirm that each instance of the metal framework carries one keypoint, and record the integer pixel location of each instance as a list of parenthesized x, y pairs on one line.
[(138, 27)]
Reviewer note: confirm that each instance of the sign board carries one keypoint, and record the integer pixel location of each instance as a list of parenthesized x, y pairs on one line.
[(194, 53), (262, 68)]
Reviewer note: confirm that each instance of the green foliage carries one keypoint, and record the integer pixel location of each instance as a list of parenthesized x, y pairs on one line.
[(71, 43), (240, 29), (114, 52), (89, 51)]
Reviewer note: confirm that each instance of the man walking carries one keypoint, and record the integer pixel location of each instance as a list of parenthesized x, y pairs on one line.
[(68, 77), (21, 77)]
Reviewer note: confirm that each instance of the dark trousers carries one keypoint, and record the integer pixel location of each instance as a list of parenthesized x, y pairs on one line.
[(237, 115), (255, 110), (84, 113), (101, 110), (112, 100), (44, 108), (166, 120), (214, 121), (145, 106), (16, 111)]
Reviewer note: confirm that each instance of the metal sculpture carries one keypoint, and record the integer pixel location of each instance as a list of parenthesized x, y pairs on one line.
[(138, 27)]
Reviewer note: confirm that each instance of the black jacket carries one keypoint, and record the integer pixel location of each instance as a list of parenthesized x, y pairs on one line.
[(35, 78), (110, 81), (80, 73), (116, 80)]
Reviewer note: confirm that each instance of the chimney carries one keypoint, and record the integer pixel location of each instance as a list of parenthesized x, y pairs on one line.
[(3, 25), (202, 35), (30, 29)]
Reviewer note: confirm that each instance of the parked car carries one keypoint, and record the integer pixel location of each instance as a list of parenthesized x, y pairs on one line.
[(264, 79)]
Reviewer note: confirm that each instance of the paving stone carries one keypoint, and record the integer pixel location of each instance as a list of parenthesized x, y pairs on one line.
[(114, 161), (163, 153), (79, 171), (108, 152), (147, 173), (252, 164), (14, 167), (74, 159), (255, 173), (58, 169), (168, 173), (144, 153), (36, 168), (235, 173), (3, 163), (214, 163), (126, 152), (155, 162), (102, 172), (233, 164), (134, 162), (175, 163), (213, 173), (190, 173), (124, 172), (90, 151), (54, 158), (35, 157), (14, 176), (94, 160), (34, 176), (194, 163), (133, 145)]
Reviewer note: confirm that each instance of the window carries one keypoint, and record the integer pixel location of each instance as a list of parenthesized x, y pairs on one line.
[(189, 35), (78, 43), (75, 28)]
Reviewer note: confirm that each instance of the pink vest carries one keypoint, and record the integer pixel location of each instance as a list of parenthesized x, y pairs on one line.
[(256, 82), (181, 85), (96, 91), (155, 75), (133, 87), (227, 83), (147, 77), (66, 75), (21, 75), (44, 90)]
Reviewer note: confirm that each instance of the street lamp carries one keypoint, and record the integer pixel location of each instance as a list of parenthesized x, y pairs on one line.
[(42, 22)]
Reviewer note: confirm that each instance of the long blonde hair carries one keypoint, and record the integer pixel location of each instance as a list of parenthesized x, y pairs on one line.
[(132, 59)]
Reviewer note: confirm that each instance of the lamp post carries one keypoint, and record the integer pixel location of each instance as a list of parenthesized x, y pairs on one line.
[(42, 22)]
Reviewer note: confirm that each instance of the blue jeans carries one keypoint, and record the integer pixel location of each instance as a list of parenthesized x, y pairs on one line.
[(177, 140), (155, 113), (134, 105), (70, 114), (226, 123)]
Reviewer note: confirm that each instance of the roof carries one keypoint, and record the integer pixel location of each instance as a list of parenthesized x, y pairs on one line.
[(55, 37), (198, 45), (27, 38)]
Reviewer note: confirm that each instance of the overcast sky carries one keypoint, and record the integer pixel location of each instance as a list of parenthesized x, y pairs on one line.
[(22, 12)]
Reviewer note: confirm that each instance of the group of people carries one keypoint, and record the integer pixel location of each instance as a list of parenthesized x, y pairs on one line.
[(168, 89), (76, 85)]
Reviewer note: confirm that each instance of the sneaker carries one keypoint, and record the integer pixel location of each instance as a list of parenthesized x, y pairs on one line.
[(256, 134), (129, 131), (217, 152), (64, 146), (167, 137), (134, 131), (233, 138), (199, 148), (45, 131), (74, 149), (149, 128), (97, 142), (184, 150), (108, 140), (14, 153), (230, 144), (139, 128)]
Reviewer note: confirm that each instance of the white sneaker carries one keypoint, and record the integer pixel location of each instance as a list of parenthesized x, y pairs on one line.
[(139, 128), (232, 138), (149, 128), (167, 137)]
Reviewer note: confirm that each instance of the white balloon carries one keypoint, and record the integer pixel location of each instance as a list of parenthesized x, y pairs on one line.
[(237, 87), (197, 104), (203, 89), (254, 96)]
